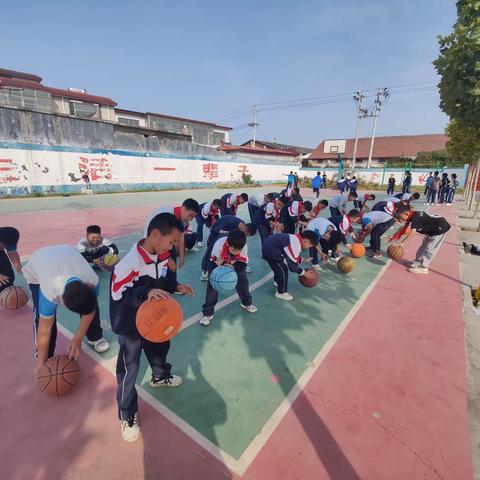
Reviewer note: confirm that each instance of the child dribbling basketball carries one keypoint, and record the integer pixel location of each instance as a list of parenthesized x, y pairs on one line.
[(229, 250), (143, 275)]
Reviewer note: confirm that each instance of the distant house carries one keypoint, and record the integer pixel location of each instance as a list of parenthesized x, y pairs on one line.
[(275, 155), (385, 148), (300, 151), (26, 91)]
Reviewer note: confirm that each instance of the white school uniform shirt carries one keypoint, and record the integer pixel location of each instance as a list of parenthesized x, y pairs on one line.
[(338, 201), (206, 210), (84, 246), (320, 225), (407, 196), (221, 250), (52, 268), (257, 199), (393, 199), (375, 218)]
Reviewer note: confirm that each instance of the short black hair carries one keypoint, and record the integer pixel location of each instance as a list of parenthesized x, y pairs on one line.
[(9, 236), (251, 229), (269, 197), (436, 173), (309, 235), (307, 206), (401, 208), (453, 175), (324, 202), (191, 204), (244, 196), (217, 203), (372, 196), (283, 199), (354, 212), (415, 196), (296, 190), (164, 223), (80, 298), (237, 239), (318, 173), (353, 194), (94, 229)]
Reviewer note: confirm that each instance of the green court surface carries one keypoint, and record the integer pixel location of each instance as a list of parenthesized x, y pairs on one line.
[(238, 370)]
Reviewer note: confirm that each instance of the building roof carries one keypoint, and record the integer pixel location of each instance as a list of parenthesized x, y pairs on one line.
[(280, 146), (130, 112), (200, 122), (257, 151), (386, 147), (4, 72), (58, 92)]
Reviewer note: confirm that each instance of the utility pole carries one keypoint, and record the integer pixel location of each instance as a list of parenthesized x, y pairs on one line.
[(382, 94), (362, 112), (254, 124)]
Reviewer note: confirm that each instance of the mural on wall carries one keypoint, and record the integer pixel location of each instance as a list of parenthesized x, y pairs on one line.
[(9, 171), (95, 168), (210, 170)]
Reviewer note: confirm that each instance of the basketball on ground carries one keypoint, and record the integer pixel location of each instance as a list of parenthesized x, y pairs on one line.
[(110, 259), (395, 252), (223, 279), (309, 282), (159, 320), (13, 298), (58, 376), (346, 264), (357, 250)]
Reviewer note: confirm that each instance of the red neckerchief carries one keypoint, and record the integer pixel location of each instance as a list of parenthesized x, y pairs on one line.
[(177, 211), (213, 213), (226, 255), (401, 232), (365, 197), (146, 257)]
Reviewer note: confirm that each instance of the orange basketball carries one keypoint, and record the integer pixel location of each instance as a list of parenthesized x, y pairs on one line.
[(58, 376), (13, 298), (159, 320), (395, 252), (357, 250), (308, 281)]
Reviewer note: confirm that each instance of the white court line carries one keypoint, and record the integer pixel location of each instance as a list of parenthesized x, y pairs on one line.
[(240, 466)]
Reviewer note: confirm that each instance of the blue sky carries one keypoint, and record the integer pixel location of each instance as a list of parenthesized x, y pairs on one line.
[(203, 59)]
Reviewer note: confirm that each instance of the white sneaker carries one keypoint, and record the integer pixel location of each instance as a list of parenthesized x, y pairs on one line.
[(204, 276), (171, 381), (284, 296), (200, 244), (317, 267), (275, 284), (130, 429), (195, 248), (100, 346), (249, 308), (249, 269), (206, 320), (418, 270)]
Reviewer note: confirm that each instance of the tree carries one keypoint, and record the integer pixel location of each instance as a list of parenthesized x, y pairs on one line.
[(459, 66), (464, 143)]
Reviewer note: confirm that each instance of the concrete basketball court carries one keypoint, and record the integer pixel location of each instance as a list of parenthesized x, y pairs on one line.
[(362, 377)]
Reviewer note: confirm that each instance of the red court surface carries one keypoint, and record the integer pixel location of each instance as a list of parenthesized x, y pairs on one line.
[(389, 400)]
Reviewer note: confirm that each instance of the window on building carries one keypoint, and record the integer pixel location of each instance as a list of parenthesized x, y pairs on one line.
[(26, 98), (334, 149), (218, 138), (131, 122), (200, 135), (84, 110)]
